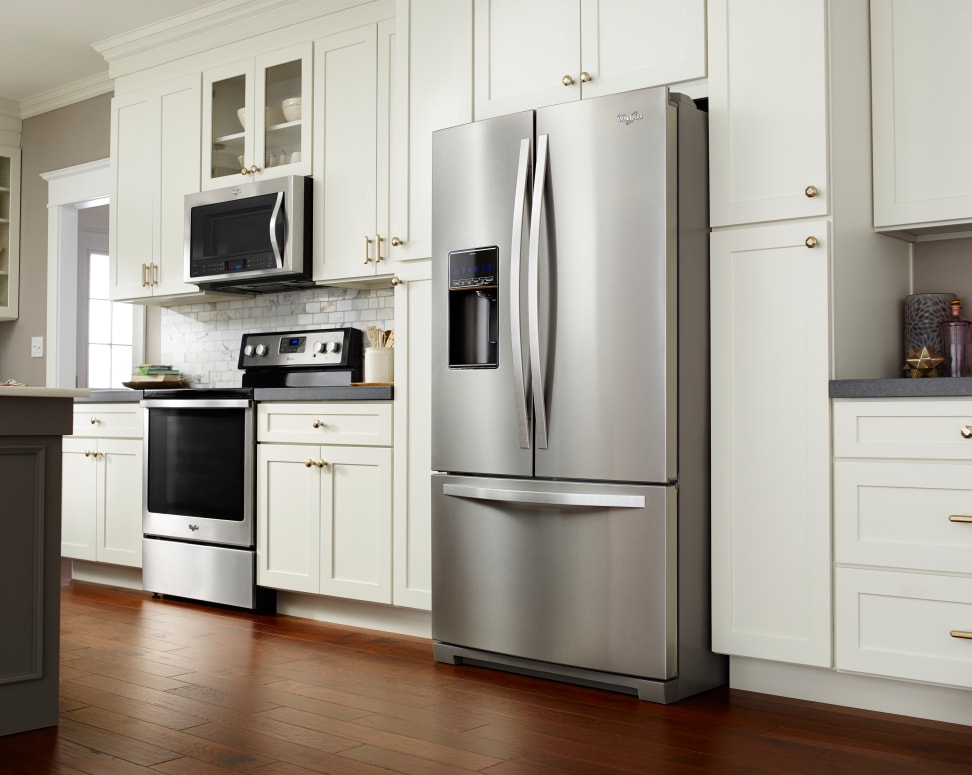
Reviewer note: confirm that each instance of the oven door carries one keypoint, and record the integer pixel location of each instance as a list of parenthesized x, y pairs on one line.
[(199, 470)]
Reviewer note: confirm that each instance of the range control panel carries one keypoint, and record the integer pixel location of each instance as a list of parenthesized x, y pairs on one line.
[(319, 349)]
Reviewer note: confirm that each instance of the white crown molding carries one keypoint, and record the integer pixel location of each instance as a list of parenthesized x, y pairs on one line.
[(68, 94), (199, 30)]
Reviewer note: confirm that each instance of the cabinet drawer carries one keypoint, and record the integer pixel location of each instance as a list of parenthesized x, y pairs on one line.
[(368, 424), (915, 428), (109, 420), (904, 625), (903, 514)]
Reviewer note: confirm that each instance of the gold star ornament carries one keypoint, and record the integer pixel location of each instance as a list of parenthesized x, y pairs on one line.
[(923, 362)]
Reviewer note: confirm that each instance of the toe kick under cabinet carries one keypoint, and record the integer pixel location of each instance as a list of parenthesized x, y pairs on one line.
[(324, 498), (903, 538)]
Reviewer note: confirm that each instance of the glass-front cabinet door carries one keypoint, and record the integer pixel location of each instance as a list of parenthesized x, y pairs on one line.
[(257, 118), (9, 232)]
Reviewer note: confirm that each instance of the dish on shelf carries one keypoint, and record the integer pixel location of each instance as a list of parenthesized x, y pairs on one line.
[(291, 108)]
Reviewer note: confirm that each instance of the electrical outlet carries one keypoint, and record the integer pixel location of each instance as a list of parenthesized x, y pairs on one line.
[(37, 347)]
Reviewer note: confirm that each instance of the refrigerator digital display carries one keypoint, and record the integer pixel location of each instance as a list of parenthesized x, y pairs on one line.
[(475, 268)]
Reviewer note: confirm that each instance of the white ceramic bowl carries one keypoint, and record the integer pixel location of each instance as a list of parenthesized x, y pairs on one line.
[(291, 109), (241, 115)]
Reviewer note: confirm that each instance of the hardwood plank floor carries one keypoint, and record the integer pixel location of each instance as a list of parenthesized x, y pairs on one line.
[(162, 686)]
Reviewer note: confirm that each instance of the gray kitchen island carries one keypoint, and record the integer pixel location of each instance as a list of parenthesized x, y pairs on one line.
[(32, 422)]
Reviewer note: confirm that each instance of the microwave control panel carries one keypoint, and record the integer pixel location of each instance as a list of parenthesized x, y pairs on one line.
[(321, 348)]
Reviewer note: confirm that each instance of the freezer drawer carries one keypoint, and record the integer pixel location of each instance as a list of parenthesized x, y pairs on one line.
[(560, 572)]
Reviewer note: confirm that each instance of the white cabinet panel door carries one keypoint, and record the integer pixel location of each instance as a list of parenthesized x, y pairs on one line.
[(771, 563), (120, 502), (79, 497), (767, 110)]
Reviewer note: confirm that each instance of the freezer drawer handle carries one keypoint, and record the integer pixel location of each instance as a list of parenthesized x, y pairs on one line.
[(545, 498)]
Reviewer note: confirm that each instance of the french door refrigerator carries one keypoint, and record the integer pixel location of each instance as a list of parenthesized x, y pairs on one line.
[(570, 395)]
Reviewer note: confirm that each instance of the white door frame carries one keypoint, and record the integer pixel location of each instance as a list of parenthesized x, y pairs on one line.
[(68, 190)]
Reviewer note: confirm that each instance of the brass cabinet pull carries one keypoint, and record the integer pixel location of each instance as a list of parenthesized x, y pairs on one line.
[(308, 463), (397, 242), (155, 274), (367, 258), (321, 463), (567, 81), (810, 242), (959, 518), (586, 77), (966, 432), (144, 275), (810, 191), (318, 424), (961, 634), (378, 240)]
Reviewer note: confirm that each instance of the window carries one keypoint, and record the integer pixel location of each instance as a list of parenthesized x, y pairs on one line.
[(110, 329)]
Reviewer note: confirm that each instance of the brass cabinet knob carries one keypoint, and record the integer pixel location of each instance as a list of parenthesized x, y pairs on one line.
[(321, 463), (318, 424), (308, 463), (966, 432), (811, 242), (396, 280), (94, 421), (810, 191), (254, 168), (567, 81), (586, 77), (397, 242), (88, 453)]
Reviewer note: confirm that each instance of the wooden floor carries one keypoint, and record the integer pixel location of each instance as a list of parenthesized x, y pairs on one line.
[(168, 687)]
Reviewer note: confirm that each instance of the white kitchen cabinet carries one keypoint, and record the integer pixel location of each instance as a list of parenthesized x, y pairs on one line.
[(101, 510), (528, 55), (154, 164), (9, 232), (785, 318), (324, 511), (768, 123), (922, 157), (770, 443), (351, 155), (903, 533), (431, 90), (413, 435), (263, 143)]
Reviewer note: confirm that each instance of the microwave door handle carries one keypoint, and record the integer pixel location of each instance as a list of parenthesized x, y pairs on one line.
[(515, 302), (276, 217), (533, 294)]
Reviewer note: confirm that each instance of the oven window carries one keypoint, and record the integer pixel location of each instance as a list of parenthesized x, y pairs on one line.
[(196, 462)]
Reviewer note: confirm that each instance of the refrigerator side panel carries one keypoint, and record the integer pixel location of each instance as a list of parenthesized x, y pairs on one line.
[(481, 419), (609, 282), (566, 573)]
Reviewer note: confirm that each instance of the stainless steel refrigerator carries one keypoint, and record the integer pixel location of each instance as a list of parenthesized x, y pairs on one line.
[(570, 430)]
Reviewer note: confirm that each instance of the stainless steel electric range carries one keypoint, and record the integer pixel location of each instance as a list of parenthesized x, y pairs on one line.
[(199, 483)]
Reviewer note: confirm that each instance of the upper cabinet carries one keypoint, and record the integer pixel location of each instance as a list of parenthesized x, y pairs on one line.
[(257, 118), (768, 123), (920, 64), (9, 232), (154, 163), (528, 55)]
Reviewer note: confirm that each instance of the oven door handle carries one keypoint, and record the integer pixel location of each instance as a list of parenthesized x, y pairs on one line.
[(196, 403)]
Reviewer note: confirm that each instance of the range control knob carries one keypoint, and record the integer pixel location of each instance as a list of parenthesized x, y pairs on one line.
[(261, 350), (318, 347), (248, 350), (332, 347)]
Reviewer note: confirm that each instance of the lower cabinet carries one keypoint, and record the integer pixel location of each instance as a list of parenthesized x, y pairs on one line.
[(903, 537), (324, 511), (101, 506)]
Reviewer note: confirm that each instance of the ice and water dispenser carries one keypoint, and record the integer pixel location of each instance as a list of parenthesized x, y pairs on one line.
[(473, 308)]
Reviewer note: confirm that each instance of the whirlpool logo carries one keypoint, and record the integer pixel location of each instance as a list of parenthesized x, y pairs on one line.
[(629, 118)]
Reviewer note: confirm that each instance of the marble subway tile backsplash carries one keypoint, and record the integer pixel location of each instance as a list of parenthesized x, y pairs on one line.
[(203, 339)]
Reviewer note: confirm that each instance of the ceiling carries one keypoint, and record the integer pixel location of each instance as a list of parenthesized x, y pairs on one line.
[(46, 44)]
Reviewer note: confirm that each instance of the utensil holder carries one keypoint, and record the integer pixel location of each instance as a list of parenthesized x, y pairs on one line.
[(379, 364)]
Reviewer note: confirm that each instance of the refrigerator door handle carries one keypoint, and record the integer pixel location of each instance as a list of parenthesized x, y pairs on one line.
[(533, 299), (585, 499), (516, 325)]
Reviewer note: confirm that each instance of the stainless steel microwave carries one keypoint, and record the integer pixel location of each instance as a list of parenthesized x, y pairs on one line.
[(252, 237)]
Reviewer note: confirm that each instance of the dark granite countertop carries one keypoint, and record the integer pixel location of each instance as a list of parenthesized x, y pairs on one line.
[(338, 393), (902, 387)]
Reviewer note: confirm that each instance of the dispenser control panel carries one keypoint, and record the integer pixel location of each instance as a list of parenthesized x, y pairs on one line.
[(476, 268)]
